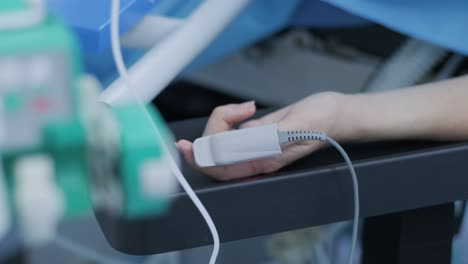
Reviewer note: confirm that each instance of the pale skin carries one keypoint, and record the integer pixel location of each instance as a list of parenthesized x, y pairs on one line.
[(437, 111)]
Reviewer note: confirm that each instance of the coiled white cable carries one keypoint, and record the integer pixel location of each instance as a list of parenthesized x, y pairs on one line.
[(117, 55)]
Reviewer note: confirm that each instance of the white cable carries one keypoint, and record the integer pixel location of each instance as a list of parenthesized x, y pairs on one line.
[(292, 136), (117, 54), (355, 194)]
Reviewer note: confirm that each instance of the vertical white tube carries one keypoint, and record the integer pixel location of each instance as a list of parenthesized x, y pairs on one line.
[(150, 31), (152, 73)]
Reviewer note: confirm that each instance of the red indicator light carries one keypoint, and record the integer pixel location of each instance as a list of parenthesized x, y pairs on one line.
[(40, 105)]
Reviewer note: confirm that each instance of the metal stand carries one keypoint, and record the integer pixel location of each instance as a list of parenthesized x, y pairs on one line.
[(417, 236)]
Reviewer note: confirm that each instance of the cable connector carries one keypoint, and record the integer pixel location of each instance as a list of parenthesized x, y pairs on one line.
[(294, 136)]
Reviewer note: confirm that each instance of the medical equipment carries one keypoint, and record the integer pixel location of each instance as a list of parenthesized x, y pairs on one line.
[(63, 153), (261, 142)]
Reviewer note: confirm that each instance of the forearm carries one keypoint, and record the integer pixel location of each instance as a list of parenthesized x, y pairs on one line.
[(431, 111)]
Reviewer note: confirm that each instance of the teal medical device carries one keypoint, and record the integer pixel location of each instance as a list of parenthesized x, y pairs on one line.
[(63, 153)]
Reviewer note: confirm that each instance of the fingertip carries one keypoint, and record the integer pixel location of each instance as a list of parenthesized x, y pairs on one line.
[(242, 111), (225, 117), (184, 145), (186, 148), (249, 107)]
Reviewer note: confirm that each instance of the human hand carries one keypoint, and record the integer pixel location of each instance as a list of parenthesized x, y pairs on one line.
[(315, 113)]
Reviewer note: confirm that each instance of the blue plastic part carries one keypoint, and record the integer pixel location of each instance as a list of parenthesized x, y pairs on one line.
[(440, 22), (102, 66), (318, 14), (444, 23), (90, 19), (260, 19)]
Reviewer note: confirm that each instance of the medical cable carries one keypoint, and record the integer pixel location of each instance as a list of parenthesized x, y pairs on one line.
[(118, 59), (295, 136)]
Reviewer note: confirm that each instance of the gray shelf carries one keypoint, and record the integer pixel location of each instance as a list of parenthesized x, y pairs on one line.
[(393, 177)]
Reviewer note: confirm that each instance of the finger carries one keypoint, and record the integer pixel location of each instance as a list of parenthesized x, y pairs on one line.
[(226, 172), (290, 154), (242, 170), (219, 172), (224, 117), (186, 148), (273, 117)]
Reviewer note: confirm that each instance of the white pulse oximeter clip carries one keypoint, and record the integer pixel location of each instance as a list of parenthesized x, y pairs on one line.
[(238, 145)]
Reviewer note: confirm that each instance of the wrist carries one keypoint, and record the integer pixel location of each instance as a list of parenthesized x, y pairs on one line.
[(332, 116), (353, 120), (370, 117)]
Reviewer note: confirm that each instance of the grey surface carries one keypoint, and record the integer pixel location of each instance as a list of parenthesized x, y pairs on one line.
[(285, 71), (85, 232), (393, 176)]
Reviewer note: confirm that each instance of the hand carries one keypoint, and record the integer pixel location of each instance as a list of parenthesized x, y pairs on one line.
[(316, 113)]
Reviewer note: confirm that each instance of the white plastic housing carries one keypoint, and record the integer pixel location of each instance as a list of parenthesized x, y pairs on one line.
[(237, 146), (156, 178)]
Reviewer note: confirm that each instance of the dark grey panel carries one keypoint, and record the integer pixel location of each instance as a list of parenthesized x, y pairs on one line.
[(393, 176)]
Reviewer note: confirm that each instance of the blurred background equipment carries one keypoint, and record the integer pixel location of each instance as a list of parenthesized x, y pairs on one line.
[(62, 152)]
